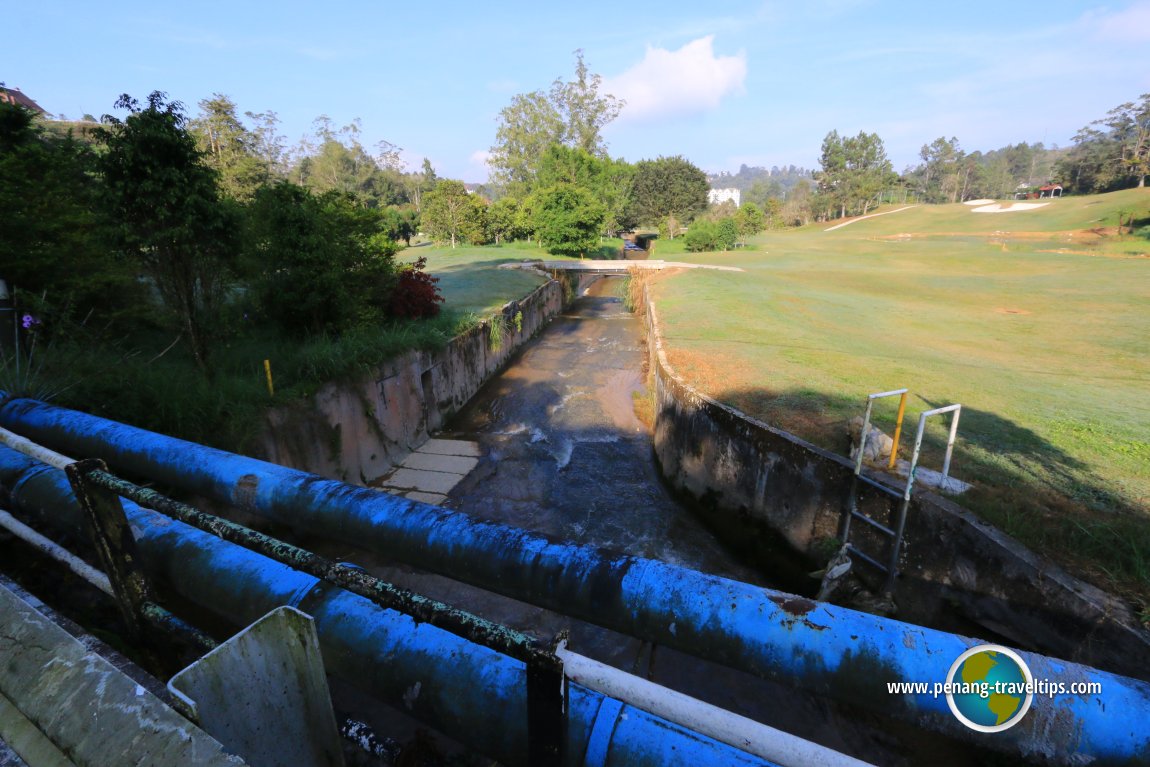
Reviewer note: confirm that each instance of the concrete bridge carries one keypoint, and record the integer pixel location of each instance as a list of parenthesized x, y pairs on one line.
[(594, 266)]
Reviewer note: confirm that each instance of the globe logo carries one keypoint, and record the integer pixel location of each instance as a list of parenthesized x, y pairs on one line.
[(989, 688)]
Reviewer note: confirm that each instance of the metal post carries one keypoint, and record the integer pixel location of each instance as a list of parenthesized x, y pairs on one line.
[(950, 440), (112, 537), (546, 711), (892, 571), (863, 434), (897, 431)]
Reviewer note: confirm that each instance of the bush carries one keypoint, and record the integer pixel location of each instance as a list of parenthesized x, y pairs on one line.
[(712, 235), (416, 293), (318, 263)]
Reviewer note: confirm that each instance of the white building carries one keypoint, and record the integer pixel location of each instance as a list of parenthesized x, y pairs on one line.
[(716, 196)]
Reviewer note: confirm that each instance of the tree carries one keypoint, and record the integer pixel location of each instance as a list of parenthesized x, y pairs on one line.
[(503, 219), (267, 143), (399, 222), (749, 220), (336, 161), (609, 181), (583, 111), (318, 262), (669, 190), (171, 219), (450, 213), (832, 183), (568, 219), (941, 173), (54, 244), (419, 184), (229, 148), (571, 113), (855, 170), (868, 170), (1118, 156)]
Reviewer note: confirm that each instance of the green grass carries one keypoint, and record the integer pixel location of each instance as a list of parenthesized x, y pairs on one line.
[(135, 382), (1043, 338), (470, 278)]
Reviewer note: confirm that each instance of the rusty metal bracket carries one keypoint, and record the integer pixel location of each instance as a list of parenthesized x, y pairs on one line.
[(115, 545), (547, 707)]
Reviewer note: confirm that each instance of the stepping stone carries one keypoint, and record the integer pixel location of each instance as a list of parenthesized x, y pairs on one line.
[(452, 464), (450, 447), (425, 481), (435, 499)]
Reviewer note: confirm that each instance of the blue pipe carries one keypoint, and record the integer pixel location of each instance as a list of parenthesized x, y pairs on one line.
[(478, 698), (829, 650)]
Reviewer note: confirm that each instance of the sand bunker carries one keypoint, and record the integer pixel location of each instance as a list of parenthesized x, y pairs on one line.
[(1009, 207), (978, 202)]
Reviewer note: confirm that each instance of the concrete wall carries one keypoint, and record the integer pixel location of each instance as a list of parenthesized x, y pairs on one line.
[(754, 483), (356, 431)]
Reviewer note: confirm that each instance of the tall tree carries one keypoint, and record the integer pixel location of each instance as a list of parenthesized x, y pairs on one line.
[(568, 219), (832, 180), (868, 170), (450, 213), (318, 262), (171, 217), (334, 160), (1119, 155), (54, 244), (749, 220), (229, 148), (583, 110), (855, 170), (669, 191), (941, 174), (571, 113), (268, 144)]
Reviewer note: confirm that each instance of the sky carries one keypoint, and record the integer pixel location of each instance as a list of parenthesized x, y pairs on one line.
[(722, 83)]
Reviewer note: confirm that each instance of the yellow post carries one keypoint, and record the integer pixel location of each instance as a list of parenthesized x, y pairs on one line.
[(897, 432), (268, 371)]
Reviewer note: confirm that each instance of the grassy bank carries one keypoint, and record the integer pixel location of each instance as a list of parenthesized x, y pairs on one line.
[(139, 380), (1036, 321)]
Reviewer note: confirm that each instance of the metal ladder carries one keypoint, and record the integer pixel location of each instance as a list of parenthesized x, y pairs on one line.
[(852, 512)]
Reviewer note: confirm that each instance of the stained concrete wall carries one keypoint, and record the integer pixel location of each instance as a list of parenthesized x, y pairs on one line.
[(356, 431), (755, 483)]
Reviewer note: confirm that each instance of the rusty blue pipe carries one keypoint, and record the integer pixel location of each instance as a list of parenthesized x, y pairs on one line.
[(829, 650), (464, 690)]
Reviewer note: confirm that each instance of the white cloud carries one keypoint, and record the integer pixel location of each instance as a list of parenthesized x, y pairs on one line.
[(1129, 25), (480, 157), (687, 81)]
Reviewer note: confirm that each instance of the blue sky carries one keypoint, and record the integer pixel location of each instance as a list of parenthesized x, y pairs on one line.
[(721, 83)]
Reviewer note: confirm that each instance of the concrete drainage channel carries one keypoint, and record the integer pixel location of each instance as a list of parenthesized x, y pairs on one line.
[(425, 476)]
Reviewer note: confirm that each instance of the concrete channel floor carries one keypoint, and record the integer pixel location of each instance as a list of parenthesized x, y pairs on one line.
[(433, 470)]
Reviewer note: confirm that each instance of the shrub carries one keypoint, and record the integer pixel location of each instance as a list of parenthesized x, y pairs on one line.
[(416, 293)]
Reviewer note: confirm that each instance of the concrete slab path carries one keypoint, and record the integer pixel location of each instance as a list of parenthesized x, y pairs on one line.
[(433, 470)]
